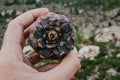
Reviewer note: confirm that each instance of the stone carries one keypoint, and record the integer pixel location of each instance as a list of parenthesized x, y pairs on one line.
[(89, 52)]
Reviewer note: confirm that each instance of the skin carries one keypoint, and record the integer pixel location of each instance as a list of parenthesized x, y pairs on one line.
[(15, 66)]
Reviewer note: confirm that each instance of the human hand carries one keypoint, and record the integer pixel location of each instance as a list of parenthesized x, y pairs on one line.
[(15, 66)]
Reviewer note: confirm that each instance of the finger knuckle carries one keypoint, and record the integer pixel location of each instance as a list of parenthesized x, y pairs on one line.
[(28, 12), (12, 22)]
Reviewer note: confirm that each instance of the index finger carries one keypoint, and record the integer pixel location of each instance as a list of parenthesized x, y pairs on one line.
[(28, 17), (14, 32)]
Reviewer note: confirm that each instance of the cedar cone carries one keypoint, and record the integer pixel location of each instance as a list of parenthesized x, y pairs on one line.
[(52, 36)]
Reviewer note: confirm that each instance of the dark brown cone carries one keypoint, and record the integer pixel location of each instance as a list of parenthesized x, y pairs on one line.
[(52, 36)]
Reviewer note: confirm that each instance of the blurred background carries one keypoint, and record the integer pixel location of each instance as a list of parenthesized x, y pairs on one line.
[(97, 24)]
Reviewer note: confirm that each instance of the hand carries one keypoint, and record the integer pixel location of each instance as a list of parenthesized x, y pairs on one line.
[(15, 66)]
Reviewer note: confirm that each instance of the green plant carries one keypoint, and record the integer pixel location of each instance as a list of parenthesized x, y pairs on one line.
[(29, 2), (86, 4), (79, 37), (16, 2), (7, 3)]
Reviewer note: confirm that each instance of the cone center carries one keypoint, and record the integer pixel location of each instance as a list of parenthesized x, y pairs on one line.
[(52, 35)]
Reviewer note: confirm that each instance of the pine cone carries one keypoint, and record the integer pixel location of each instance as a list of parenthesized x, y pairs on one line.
[(52, 36)]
